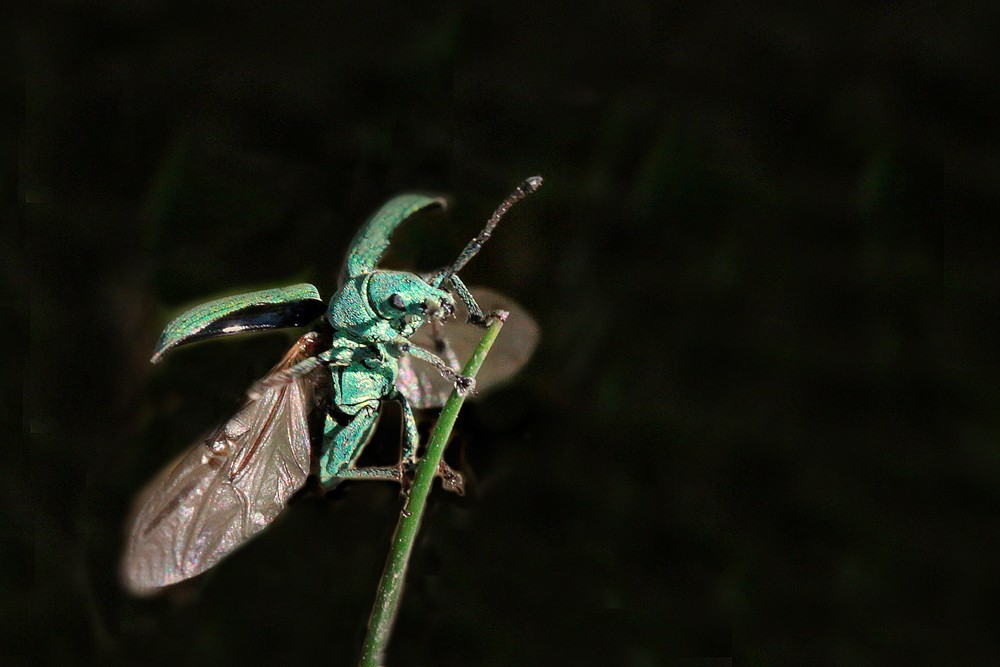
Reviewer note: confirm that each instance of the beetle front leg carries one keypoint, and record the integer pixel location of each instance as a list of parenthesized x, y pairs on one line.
[(476, 314), (332, 357)]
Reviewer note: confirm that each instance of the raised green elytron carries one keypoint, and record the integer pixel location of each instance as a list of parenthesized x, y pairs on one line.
[(230, 485)]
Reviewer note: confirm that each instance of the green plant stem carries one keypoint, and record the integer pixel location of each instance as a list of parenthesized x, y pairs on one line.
[(391, 587)]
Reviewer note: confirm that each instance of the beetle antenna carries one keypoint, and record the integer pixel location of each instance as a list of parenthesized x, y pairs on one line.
[(476, 244)]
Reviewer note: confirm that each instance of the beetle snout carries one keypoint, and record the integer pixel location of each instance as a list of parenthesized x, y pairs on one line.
[(437, 308)]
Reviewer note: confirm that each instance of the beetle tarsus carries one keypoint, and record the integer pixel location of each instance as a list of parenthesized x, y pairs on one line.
[(451, 479), (486, 319), (465, 385)]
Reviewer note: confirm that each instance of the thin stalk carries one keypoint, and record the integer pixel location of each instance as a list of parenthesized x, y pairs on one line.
[(390, 589)]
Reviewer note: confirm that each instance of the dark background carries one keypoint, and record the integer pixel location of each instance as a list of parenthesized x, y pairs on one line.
[(762, 421)]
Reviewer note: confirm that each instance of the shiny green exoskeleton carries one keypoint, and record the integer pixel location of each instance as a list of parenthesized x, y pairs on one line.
[(235, 481), (373, 316)]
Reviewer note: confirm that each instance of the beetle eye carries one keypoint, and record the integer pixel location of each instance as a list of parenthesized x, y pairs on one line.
[(396, 301)]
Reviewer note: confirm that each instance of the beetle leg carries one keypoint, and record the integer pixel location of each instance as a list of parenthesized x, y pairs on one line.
[(440, 344), (343, 441), (379, 474), (465, 385), (476, 314), (289, 375), (411, 437), (451, 479)]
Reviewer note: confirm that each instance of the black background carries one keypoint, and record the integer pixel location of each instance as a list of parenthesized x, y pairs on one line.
[(762, 421)]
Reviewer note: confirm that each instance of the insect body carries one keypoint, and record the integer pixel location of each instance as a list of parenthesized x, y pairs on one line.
[(228, 487)]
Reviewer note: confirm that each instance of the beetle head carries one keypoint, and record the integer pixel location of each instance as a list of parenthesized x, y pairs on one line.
[(395, 295)]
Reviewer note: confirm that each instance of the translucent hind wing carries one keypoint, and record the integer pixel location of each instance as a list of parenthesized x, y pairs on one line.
[(423, 385), (225, 489)]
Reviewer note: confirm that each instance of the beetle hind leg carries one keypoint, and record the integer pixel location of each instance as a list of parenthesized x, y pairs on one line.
[(451, 480), (343, 441)]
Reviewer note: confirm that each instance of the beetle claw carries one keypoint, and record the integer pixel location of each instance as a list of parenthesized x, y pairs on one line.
[(451, 479), (465, 385), (485, 319)]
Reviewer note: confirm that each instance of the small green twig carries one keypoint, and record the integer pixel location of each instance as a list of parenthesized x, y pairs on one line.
[(391, 587)]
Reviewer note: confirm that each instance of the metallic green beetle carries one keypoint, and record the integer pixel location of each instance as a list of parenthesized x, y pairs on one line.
[(227, 487)]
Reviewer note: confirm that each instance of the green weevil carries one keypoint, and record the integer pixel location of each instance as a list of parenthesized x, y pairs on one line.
[(228, 486)]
